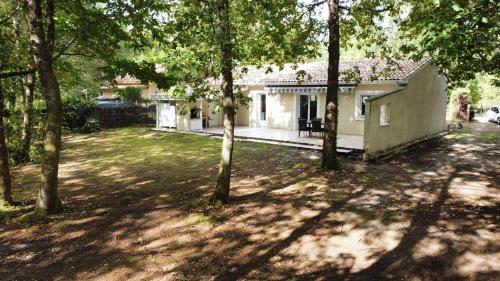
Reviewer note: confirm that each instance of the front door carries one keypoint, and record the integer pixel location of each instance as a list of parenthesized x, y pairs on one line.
[(262, 110), (167, 115)]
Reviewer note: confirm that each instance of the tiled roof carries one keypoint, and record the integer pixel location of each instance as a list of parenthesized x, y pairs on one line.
[(316, 72), (123, 82), (127, 79)]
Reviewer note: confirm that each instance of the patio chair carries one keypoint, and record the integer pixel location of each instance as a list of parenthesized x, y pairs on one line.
[(303, 126), (316, 126)]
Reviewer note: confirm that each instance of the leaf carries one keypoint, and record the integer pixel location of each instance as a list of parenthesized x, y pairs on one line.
[(456, 7)]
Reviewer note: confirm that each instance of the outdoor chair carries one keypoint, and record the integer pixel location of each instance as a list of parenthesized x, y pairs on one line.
[(316, 126), (303, 126)]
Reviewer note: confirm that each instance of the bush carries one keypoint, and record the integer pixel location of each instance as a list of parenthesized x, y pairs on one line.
[(78, 112), (13, 127), (90, 127), (131, 95)]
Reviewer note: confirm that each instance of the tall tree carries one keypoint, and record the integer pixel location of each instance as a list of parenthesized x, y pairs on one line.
[(217, 39), (85, 29), (5, 184), (26, 101), (329, 159), (42, 46), (221, 192), (363, 20)]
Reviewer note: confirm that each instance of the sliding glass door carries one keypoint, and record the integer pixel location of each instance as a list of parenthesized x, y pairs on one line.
[(262, 110), (308, 106)]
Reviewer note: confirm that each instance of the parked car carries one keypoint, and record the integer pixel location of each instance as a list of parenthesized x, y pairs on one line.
[(493, 114)]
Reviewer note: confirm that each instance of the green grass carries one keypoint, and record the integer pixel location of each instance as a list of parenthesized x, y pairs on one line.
[(468, 134), (121, 166)]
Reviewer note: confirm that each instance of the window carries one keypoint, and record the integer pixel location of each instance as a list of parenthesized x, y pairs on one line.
[(385, 116), (494, 109), (362, 107)]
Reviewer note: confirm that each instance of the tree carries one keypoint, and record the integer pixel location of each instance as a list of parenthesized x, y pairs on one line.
[(85, 29), (42, 46), (27, 98), (461, 36), (361, 19), (212, 41), (221, 193), (329, 153), (5, 184)]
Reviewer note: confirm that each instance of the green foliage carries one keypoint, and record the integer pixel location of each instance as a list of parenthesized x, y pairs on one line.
[(79, 114), (262, 32), (461, 36), (13, 128), (481, 91), (131, 95)]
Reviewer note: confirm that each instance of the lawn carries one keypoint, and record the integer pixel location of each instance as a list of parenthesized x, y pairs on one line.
[(136, 208)]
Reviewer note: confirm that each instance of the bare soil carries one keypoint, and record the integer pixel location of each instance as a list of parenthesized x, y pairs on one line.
[(136, 209)]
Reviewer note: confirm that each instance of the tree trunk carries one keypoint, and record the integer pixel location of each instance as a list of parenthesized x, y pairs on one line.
[(221, 194), (329, 159), (27, 97), (42, 46), (5, 184)]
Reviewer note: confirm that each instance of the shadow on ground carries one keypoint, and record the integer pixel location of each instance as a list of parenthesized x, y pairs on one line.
[(136, 209)]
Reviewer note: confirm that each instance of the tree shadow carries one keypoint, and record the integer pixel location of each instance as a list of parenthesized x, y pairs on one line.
[(402, 219)]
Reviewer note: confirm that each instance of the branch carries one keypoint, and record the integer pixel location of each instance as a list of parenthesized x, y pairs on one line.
[(381, 10), (51, 27), (310, 8), (17, 73), (6, 19), (84, 55), (64, 49), (33, 69)]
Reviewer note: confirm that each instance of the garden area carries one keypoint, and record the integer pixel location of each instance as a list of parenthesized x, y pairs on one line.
[(135, 207), (90, 191)]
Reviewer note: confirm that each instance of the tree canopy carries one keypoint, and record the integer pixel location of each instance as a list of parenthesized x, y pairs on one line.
[(461, 36)]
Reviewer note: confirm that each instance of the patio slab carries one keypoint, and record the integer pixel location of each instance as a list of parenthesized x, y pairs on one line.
[(354, 142)]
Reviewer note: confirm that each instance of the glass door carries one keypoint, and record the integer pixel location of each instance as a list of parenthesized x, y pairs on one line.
[(262, 110), (308, 106)]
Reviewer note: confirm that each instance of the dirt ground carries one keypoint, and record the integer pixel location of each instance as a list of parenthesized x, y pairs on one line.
[(135, 209)]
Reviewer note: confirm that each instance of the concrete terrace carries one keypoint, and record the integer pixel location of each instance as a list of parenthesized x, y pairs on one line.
[(345, 143)]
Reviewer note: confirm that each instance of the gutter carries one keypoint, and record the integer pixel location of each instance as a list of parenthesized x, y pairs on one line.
[(321, 83), (385, 94)]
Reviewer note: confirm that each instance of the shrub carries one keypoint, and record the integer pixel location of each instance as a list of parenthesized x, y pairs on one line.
[(131, 95), (78, 112)]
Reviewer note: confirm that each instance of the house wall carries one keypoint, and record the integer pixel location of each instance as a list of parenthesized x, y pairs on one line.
[(282, 108), (416, 112), (280, 111), (183, 120), (242, 116)]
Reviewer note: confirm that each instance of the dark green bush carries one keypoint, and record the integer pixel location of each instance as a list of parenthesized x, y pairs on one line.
[(131, 95), (79, 114), (13, 127)]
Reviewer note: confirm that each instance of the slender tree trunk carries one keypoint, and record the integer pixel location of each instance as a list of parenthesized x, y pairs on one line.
[(221, 194), (42, 45), (5, 184), (27, 97), (329, 160)]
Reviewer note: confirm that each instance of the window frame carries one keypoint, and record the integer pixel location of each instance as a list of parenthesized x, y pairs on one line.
[(358, 102), (385, 118)]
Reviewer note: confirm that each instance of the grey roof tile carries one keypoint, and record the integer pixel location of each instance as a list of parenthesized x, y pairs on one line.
[(316, 72)]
